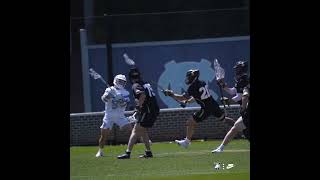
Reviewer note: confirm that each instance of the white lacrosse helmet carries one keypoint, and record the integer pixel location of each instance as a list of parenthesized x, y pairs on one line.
[(120, 81)]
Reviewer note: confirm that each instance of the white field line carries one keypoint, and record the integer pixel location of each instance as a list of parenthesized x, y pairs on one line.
[(173, 173), (199, 152)]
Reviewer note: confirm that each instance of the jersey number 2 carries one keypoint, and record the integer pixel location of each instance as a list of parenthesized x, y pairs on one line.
[(205, 92)]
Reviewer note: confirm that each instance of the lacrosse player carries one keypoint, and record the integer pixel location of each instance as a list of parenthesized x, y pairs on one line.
[(147, 111), (116, 98), (197, 91), (240, 94)]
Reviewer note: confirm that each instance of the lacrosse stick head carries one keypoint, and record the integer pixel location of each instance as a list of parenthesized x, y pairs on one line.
[(128, 60), (240, 68), (219, 71), (94, 74)]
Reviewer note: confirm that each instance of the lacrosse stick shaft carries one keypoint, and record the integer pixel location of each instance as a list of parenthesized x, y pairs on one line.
[(104, 82), (183, 105), (221, 94)]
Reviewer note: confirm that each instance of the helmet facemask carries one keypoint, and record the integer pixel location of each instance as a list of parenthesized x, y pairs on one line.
[(191, 76), (120, 81), (240, 69)]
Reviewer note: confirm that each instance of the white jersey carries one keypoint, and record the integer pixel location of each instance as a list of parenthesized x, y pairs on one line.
[(116, 105)]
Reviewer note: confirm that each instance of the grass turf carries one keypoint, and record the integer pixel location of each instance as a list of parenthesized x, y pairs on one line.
[(170, 162)]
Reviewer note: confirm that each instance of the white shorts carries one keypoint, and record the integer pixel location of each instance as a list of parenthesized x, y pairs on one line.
[(239, 124), (108, 122)]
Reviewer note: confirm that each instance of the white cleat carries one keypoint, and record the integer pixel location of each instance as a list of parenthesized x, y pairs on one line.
[(218, 150), (184, 143), (99, 154)]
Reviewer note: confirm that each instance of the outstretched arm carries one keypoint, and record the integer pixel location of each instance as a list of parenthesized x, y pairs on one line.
[(231, 91), (178, 97)]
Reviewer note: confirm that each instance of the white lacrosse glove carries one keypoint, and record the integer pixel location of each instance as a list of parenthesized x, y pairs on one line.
[(132, 118)]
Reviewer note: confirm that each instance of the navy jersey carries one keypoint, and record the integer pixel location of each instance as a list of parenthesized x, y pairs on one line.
[(200, 92), (150, 102)]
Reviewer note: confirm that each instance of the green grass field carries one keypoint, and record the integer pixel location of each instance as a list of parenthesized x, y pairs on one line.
[(170, 162)]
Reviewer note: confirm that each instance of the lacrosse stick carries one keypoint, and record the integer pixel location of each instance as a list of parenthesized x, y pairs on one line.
[(219, 72), (95, 76), (182, 104), (131, 62), (128, 60)]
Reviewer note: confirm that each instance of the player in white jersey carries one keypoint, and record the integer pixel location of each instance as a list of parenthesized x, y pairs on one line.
[(116, 98)]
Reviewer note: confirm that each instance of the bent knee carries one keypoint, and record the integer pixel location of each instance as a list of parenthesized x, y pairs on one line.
[(236, 127)]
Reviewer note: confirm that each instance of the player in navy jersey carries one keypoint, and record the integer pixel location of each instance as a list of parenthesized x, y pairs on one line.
[(197, 91), (240, 94), (147, 111)]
